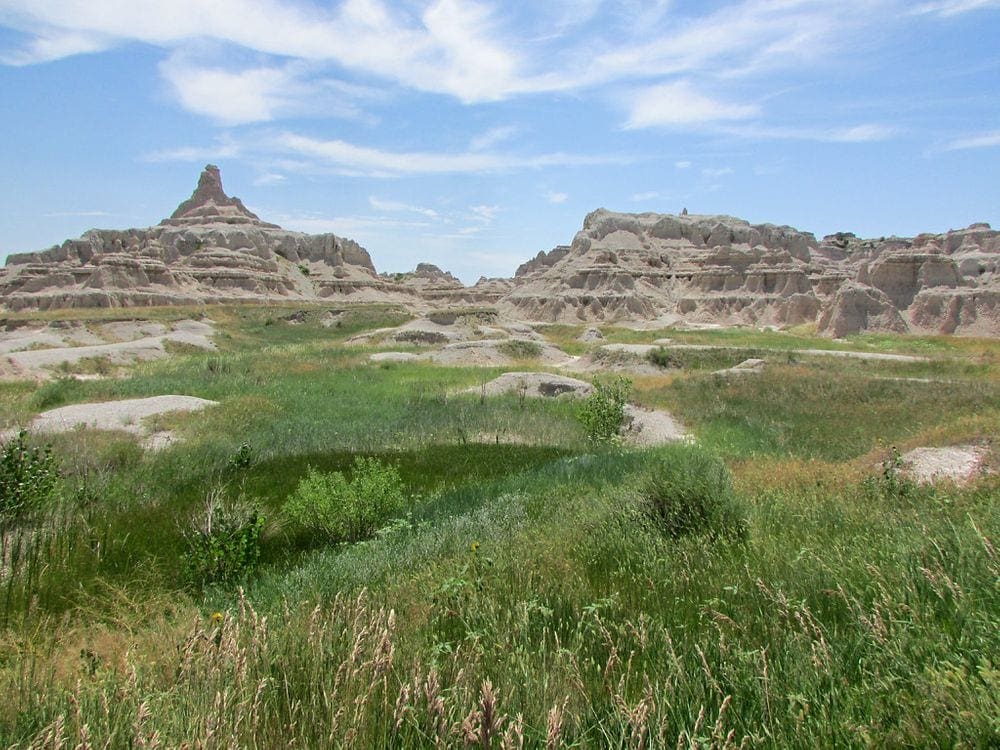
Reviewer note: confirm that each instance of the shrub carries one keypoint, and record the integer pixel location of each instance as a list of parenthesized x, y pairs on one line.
[(690, 494), (890, 484), (28, 477), (520, 349), (223, 543), (603, 412), (243, 457), (340, 510)]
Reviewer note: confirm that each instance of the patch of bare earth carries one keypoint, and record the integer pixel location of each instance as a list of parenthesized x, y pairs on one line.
[(956, 463), (34, 352), (128, 415)]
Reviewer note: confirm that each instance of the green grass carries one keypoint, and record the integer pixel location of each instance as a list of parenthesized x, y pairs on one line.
[(528, 579)]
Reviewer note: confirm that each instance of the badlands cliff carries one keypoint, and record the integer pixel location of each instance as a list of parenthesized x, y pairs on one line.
[(648, 269), (211, 250), (722, 270)]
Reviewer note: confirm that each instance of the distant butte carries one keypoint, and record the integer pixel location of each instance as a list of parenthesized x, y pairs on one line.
[(649, 270)]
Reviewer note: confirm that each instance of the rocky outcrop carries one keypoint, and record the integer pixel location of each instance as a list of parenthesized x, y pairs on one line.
[(933, 283), (691, 269), (211, 250), (630, 267), (641, 269)]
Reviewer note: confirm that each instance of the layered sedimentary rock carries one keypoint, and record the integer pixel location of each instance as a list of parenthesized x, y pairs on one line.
[(654, 269), (723, 270), (629, 267), (932, 283), (212, 249)]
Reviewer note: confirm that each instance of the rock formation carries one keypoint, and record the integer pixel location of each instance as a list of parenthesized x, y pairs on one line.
[(211, 250), (644, 269), (717, 269), (629, 267)]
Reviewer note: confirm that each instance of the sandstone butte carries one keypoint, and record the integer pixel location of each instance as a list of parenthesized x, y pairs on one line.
[(639, 269)]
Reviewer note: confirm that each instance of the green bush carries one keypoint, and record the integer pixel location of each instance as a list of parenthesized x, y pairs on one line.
[(689, 493), (603, 412), (243, 457), (520, 349), (28, 477), (223, 543), (340, 510), (890, 484)]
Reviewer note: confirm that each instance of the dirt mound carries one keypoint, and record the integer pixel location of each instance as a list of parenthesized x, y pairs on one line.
[(645, 427), (534, 385), (746, 367), (32, 352), (495, 353), (126, 415)]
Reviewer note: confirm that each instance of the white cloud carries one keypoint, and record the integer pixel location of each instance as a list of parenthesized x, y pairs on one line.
[(55, 45), (484, 213), (954, 7), (76, 214), (717, 172), (270, 178), (492, 137), (355, 227), (397, 206), (224, 148), (984, 140), (866, 133), (682, 164), (680, 104), (553, 197), (356, 159), (649, 195), (229, 97), (473, 50)]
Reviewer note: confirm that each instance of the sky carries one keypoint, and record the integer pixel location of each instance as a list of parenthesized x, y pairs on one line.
[(474, 133)]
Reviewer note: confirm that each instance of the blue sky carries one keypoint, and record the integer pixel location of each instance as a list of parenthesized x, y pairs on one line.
[(474, 134)]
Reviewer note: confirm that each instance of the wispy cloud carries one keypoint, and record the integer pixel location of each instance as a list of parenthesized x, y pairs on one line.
[(864, 133), (492, 137), (983, 140), (681, 104), (270, 178), (484, 213), (554, 197), (76, 214), (397, 206), (223, 148), (382, 163), (954, 7)]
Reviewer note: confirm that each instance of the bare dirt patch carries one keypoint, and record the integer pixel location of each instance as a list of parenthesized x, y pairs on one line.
[(956, 463), (127, 415), (33, 352)]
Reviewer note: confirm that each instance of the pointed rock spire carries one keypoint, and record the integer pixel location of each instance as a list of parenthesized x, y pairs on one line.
[(209, 204)]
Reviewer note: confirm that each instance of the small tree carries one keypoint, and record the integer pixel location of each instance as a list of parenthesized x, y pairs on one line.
[(603, 412)]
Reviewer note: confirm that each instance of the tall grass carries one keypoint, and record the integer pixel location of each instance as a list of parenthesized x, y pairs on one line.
[(531, 596)]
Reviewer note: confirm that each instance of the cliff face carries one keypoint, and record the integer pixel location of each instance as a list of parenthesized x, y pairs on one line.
[(627, 267), (933, 283), (211, 250), (718, 269), (648, 268)]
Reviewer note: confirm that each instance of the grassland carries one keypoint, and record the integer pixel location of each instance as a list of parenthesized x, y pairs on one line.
[(528, 597)]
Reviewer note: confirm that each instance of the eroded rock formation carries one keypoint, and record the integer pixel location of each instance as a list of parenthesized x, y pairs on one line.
[(718, 269), (212, 249), (640, 269)]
